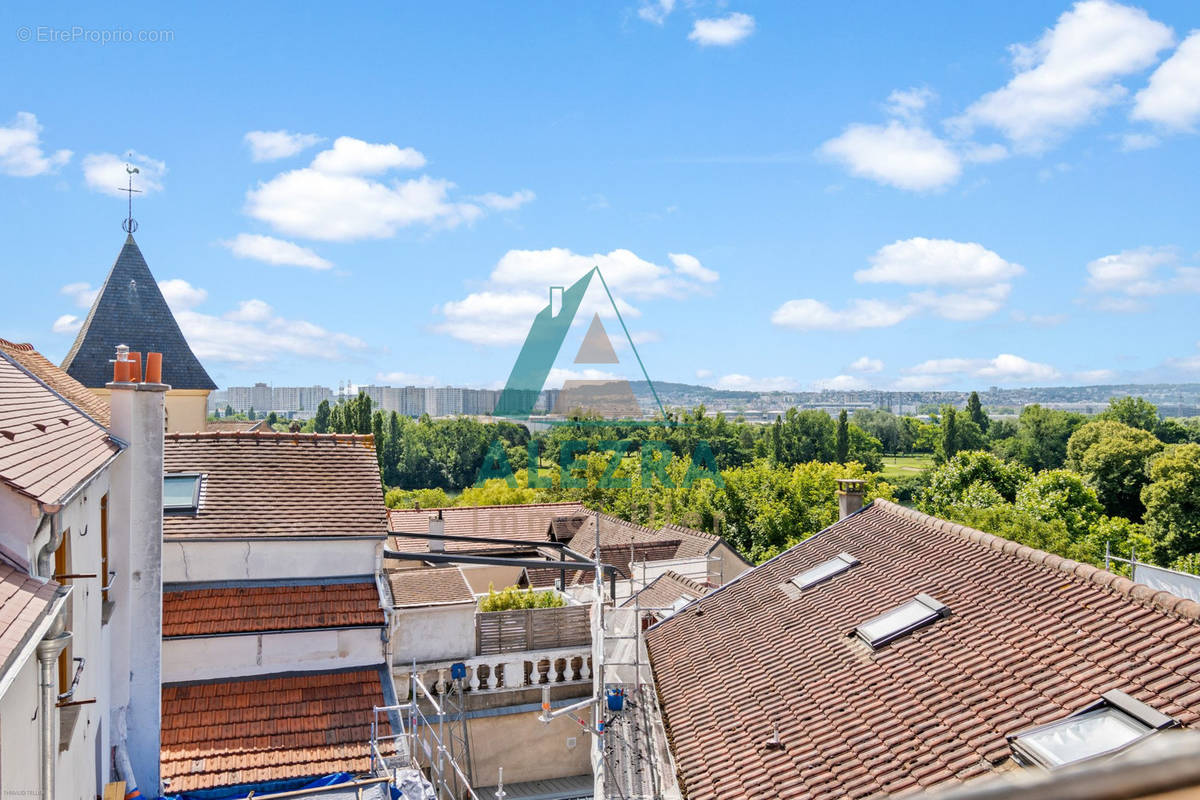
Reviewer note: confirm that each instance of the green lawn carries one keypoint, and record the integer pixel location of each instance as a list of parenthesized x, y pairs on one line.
[(901, 466)]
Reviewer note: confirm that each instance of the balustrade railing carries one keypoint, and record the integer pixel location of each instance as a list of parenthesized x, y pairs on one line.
[(504, 671)]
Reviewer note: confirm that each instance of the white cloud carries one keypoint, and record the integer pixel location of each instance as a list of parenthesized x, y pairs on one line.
[(937, 261), (274, 251), (1095, 376), (249, 335), (271, 145), (82, 294), (626, 273), (491, 318), (866, 365), (744, 383), (1138, 141), (350, 156), (1070, 74), (841, 383), (405, 379), (105, 173), (656, 11), (909, 103), (692, 268), (67, 323), (964, 306), (722, 31), (898, 154), (704, 373), (1172, 97), (984, 153), (809, 314), (506, 202), (21, 153), (253, 310), (1133, 274), (1004, 368), (918, 383), (181, 295), (332, 200)]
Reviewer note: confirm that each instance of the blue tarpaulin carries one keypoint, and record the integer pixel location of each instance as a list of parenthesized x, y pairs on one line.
[(269, 787)]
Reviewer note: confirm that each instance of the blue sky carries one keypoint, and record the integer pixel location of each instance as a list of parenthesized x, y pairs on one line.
[(781, 195)]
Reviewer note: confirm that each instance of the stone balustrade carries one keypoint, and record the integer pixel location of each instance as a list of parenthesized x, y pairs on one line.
[(504, 671)]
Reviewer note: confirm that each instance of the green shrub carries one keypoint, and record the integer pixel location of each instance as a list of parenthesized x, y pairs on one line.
[(513, 597)]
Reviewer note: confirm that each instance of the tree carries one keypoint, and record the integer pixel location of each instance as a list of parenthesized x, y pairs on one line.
[(1042, 436), (250, 413), (228, 410), (321, 420), (1136, 412), (976, 413), (1061, 494), (949, 443), (1172, 501), (777, 440), (842, 437), (950, 483), (272, 418), (1112, 457), (377, 437)]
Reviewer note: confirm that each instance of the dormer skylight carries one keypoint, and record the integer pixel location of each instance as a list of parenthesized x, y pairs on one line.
[(916, 613), (1113, 723), (181, 492), (824, 571)]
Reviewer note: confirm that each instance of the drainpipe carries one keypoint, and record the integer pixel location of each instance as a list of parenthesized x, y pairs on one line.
[(48, 648)]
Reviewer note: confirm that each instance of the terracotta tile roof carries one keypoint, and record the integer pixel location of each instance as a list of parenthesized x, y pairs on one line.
[(247, 609), (49, 373), (251, 730), (47, 445), (1031, 638), (24, 600), (666, 589), (615, 531), (428, 586), (529, 523), (266, 484), (233, 425), (130, 310), (622, 556)]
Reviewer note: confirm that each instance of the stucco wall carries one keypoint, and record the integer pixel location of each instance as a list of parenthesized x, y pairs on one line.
[(730, 565), (433, 633), (19, 759), (528, 750), (191, 561), (186, 409), (479, 578), (236, 656)]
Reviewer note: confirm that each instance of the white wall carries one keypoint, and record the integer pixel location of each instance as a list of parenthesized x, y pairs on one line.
[(206, 658), (19, 735), (434, 633), (187, 561)]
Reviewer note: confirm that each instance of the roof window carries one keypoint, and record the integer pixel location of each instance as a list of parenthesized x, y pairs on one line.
[(181, 492), (1113, 723), (824, 571), (893, 624)]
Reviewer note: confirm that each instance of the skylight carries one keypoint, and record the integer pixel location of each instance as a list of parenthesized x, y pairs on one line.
[(893, 624), (1115, 722), (824, 571), (181, 492)]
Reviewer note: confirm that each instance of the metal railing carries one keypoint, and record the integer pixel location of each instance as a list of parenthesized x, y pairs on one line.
[(423, 735)]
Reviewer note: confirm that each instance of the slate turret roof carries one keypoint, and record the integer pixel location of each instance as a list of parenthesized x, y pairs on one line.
[(131, 310)]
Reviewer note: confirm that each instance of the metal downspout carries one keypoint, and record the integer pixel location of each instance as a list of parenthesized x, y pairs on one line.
[(56, 638)]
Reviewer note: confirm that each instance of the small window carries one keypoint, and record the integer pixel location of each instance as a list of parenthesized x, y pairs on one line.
[(1115, 722), (824, 571), (181, 492), (914, 614)]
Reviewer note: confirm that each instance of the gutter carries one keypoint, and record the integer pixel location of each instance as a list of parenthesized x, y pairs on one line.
[(52, 643)]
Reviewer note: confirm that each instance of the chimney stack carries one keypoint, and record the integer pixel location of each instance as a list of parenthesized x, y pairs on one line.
[(437, 527), (851, 493), (135, 552)]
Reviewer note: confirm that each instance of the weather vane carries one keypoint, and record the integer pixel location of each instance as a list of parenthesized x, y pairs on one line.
[(130, 224)]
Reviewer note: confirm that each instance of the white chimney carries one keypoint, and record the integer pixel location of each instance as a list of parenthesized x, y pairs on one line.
[(135, 552), (437, 527)]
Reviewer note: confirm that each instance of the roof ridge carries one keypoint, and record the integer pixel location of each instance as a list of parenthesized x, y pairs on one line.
[(348, 438), (1162, 600), (495, 505), (23, 346), (681, 579), (694, 531)]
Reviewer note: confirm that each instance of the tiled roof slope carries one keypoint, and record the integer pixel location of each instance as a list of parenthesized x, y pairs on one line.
[(250, 609), (252, 730), (47, 445), (428, 586), (616, 531), (49, 373), (622, 556), (1031, 638), (263, 484), (24, 600), (131, 310), (233, 425), (530, 523), (667, 588)]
